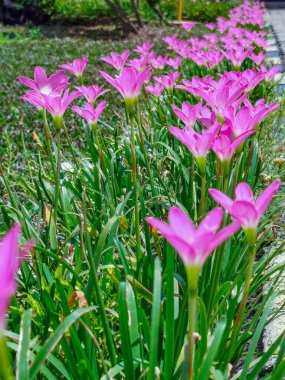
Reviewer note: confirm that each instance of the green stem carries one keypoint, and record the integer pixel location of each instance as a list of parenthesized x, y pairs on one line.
[(134, 177), (70, 145), (236, 171), (191, 340), (242, 305), (218, 257), (100, 301), (5, 367), (192, 278), (203, 199), (101, 156), (57, 177), (48, 138), (150, 176), (226, 173), (191, 186), (249, 158)]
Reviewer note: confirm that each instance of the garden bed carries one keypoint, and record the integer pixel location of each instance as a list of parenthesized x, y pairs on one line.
[(109, 288)]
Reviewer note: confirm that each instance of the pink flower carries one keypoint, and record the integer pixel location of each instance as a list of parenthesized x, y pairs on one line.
[(226, 93), (240, 122), (129, 82), (76, 67), (225, 148), (57, 105), (257, 59), (249, 116), (188, 113), (237, 56), (159, 62), (244, 208), (188, 26), (168, 81), (210, 25), (138, 63), (198, 144), (155, 90), (174, 62), (116, 60), (34, 98), (44, 85), (194, 245), (11, 257), (170, 40), (260, 111), (91, 93), (144, 48), (271, 73), (90, 114)]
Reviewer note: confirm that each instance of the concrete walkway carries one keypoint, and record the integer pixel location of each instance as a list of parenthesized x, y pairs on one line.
[(276, 18)]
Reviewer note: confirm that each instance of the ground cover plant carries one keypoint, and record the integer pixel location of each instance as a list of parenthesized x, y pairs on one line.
[(135, 235)]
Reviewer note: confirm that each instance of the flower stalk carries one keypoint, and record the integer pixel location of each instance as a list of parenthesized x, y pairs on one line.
[(242, 305), (135, 185), (203, 200), (57, 177), (192, 279), (5, 367)]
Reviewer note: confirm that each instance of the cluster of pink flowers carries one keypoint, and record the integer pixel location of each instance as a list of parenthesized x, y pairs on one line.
[(221, 119), (52, 93)]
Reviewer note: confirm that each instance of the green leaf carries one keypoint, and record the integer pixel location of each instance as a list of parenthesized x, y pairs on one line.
[(255, 338), (155, 319), (22, 372), (124, 323), (211, 352), (169, 315), (54, 339)]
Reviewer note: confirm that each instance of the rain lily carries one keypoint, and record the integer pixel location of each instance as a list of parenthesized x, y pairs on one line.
[(237, 56), (260, 111), (258, 59), (227, 93), (170, 40), (245, 209), (144, 48), (155, 90), (193, 244), (11, 257), (57, 105), (159, 62), (138, 63), (198, 144), (34, 98), (225, 148), (174, 62), (210, 25), (116, 60), (270, 74), (89, 113), (239, 122), (248, 116), (91, 93), (168, 81), (76, 67), (44, 85), (129, 83), (188, 26), (188, 113)]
